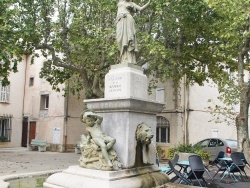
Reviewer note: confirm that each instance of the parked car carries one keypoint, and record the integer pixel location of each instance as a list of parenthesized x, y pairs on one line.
[(215, 145)]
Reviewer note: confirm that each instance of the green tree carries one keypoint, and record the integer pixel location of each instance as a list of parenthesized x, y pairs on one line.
[(234, 30), (8, 39), (174, 38), (76, 37), (184, 42), (203, 39)]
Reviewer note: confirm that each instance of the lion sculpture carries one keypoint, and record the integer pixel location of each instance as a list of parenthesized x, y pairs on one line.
[(144, 133), (144, 137)]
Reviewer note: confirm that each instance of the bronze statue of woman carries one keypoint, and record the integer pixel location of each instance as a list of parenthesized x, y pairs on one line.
[(125, 29)]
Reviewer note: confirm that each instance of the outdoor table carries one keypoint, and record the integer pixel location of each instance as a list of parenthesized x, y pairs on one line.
[(228, 162), (225, 159), (184, 165)]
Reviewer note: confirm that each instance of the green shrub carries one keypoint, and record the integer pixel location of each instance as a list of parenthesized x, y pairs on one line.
[(159, 150), (189, 148), (171, 152), (205, 155)]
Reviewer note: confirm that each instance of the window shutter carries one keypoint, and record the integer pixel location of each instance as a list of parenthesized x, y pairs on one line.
[(4, 93), (1, 93), (8, 93)]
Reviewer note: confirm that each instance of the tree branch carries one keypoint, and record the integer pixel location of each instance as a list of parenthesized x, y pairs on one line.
[(56, 61)]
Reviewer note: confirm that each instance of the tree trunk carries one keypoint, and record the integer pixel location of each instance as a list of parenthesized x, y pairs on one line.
[(242, 118)]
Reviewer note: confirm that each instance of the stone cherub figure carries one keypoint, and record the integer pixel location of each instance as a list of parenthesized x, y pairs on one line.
[(125, 29), (97, 145)]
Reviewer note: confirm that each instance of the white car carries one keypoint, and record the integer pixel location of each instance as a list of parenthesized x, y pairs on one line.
[(215, 145)]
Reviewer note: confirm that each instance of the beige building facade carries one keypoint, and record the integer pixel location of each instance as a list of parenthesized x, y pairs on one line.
[(187, 117), (11, 109), (35, 111)]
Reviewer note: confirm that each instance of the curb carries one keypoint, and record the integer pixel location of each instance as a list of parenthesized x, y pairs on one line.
[(3, 179)]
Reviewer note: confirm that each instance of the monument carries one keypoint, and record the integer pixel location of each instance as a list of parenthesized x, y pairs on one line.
[(124, 155)]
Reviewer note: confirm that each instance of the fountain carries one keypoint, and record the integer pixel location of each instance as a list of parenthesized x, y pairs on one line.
[(131, 120), (128, 119)]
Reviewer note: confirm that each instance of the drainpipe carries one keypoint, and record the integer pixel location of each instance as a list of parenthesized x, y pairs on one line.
[(66, 117), (24, 93), (185, 109)]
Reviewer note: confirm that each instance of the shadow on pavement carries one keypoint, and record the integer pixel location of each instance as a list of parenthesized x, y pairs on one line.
[(226, 182)]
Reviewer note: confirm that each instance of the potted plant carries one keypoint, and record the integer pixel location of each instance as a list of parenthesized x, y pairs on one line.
[(159, 152), (205, 155), (185, 150)]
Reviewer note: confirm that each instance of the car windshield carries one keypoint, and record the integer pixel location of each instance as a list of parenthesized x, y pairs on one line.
[(232, 143), (203, 143)]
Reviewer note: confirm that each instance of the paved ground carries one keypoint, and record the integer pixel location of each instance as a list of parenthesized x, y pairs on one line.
[(20, 160), (14, 161)]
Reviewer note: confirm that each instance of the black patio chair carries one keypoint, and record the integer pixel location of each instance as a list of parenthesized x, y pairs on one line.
[(178, 175), (165, 169), (197, 170), (221, 154), (174, 161), (243, 158), (237, 166), (220, 164)]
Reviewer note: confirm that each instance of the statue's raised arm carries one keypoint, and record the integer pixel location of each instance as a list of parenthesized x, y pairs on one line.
[(125, 29), (141, 8)]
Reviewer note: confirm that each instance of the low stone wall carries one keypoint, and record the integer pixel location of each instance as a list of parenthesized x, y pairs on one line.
[(184, 156), (174, 185)]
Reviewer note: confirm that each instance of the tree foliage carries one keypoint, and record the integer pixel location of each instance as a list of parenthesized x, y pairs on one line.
[(8, 39), (234, 31), (76, 37)]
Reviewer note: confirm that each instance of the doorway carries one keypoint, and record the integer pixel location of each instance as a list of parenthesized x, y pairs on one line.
[(32, 133), (24, 134)]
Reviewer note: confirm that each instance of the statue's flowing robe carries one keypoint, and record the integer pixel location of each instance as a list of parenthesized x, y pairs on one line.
[(126, 37)]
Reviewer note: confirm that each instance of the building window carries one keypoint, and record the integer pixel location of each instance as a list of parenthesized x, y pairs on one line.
[(44, 103), (160, 95), (5, 129), (31, 81), (162, 130), (4, 93)]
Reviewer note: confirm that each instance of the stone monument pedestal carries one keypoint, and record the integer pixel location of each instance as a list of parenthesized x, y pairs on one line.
[(123, 108), (77, 177)]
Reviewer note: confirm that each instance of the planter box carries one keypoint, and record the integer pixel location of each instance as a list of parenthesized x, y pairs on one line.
[(205, 162), (41, 148), (184, 156)]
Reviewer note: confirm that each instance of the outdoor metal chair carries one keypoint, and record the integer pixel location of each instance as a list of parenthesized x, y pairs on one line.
[(178, 175), (243, 158), (162, 168), (221, 165), (221, 154), (168, 170), (197, 170), (237, 166), (174, 161)]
